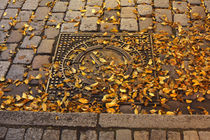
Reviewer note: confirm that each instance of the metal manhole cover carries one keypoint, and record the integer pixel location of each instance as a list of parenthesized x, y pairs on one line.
[(84, 60)]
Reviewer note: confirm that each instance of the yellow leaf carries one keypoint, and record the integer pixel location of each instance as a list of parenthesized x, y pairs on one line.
[(166, 90), (200, 99), (110, 110), (136, 111), (122, 90), (44, 107), (188, 101), (170, 113), (83, 100), (150, 62)]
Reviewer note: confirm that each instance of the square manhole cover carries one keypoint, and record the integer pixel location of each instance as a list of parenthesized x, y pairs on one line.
[(99, 68)]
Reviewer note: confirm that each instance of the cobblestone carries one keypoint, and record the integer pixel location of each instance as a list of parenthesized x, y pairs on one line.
[(180, 7), (24, 56), (55, 19), (46, 46), (10, 13), (15, 36), (190, 135), (69, 135), (76, 5), (108, 27), (60, 6), (34, 73), (44, 2), (17, 4), (106, 135), (194, 1), (88, 135), (16, 72), (24, 15), (128, 25), (4, 24), (3, 131), (204, 135), (15, 134), (161, 3), (92, 11), (128, 12), (51, 135), (127, 3), (197, 12), (162, 14), (95, 2), (33, 134), (144, 10), (16, 90), (89, 24), (40, 60), (30, 4), (30, 43), (110, 15), (69, 27), (38, 27), (141, 135), (111, 4), (173, 135), (41, 13), (73, 16), (1, 13), (145, 23), (20, 25), (144, 1), (3, 4), (4, 65), (51, 32), (158, 135), (7, 54), (2, 36), (182, 19), (123, 134)]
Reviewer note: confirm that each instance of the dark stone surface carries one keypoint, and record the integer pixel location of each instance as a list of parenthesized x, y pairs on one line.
[(15, 134), (69, 134), (51, 135), (33, 134), (3, 131), (16, 72)]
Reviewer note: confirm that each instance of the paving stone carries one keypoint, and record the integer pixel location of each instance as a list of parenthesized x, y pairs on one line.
[(12, 89), (162, 13), (60, 6), (4, 65), (1, 13), (20, 25), (69, 27), (33, 134), (69, 135), (128, 25), (204, 135), (106, 135), (180, 7), (158, 135), (94, 2), (127, 2), (126, 109), (15, 36), (7, 54), (145, 23), (128, 12), (40, 60), (111, 4), (3, 4), (38, 27), (181, 19), (24, 56), (76, 5), (45, 2), (161, 3), (172, 135), (10, 13), (46, 46), (123, 134), (30, 4), (30, 43), (16, 72), (3, 131), (92, 11), (34, 73), (194, 1), (2, 36), (51, 135), (197, 12), (88, 135), (17, 4), (141, 135), (55, 19), (73, 16), (51, 32), (144, 1), (207, 4), (144, 10), (15, 134), (89, 24), (190, 135), (24, 15), (108, 27), (4, 24), (41, 13)]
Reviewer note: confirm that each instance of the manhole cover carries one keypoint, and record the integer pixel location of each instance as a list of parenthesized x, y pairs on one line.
[(86, 64)]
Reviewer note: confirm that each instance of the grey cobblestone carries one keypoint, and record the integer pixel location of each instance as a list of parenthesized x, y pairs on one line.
[(76, 5), (108, 27), (144, 1), (24, 56), (88, 135), (20, 25), (51, 32), (197, 12), (158, 135), (51, 135), (3, 131), (144, 10), (30, 43), (89, 24), (69, 135), (4, 65), (95, 2), (24, 15), (204, 135), (123, 134), (2, 36), (44, 2), (46, 46), (172, 135), (17, 4), (3, 4), (34, 73), (182, 19), (30, 4), (162, 14), (190, 135), (40, 60), (194, 1), (15, 36), (141, 135), (128, 12), (16, 72), (111, 4), (110, 14), (106, 135), (17, 90), (60, 6), (180, 7), (15, 134), (38, 27), (7, 54), (163, 28), (10, 13), (69, 27), (41, 13), (128, 25), (127, 2), (55, 19), (1, 13), (4, 24), (73, 16), (92, 11), (145, 23), (161, 3), (33, 134)]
